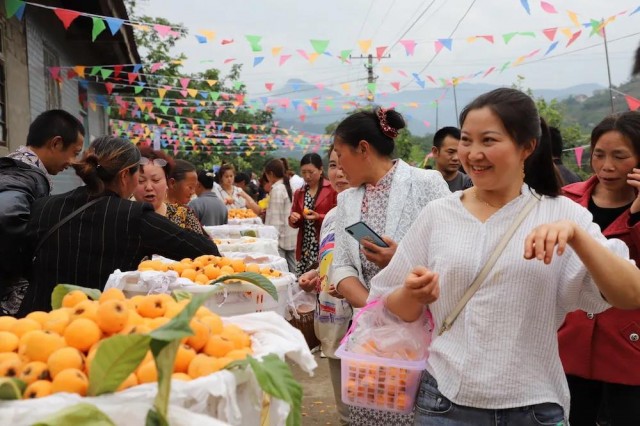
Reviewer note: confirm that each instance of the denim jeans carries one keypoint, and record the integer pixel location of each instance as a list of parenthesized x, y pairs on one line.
[(434, 409)]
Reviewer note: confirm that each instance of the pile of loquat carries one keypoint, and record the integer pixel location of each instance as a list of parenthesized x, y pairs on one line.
[(241, 214), (203, 269), (53, 351)]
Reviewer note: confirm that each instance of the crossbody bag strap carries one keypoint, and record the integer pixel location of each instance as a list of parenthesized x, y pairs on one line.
[(451, 318), (62, 222)]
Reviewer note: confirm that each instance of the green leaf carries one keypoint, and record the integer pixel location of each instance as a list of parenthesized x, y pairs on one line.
[(179, 327), (11, 388), (82, 414), (116, 358), (179, 295), (61, 290), (252, 278), (275, 378), (165, 356), (249, 233), (155, 419)]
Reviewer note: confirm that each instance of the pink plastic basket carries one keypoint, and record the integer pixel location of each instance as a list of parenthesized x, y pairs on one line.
[(379, 383)]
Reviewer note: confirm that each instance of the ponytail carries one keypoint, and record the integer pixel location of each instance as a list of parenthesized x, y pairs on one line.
[(276, 167), (287, 185)]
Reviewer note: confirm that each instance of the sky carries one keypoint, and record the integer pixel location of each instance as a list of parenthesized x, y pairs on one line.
[(290, 24)]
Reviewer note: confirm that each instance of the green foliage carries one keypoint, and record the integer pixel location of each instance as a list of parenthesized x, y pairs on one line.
[(252, 278), (81, 414), (61, 290), (11, 388)]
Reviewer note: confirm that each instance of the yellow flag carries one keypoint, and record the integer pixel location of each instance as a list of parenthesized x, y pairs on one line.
[(387, 69), (313, 56), (518, 61), (345, 86), (159, 120), (574, 18), (567, 32), (162, 92), (210, 35), (140, 102), (192, 92), (212, 82), (275, 51), (79, 69), (93, 106), (471, 39), (365, 45)]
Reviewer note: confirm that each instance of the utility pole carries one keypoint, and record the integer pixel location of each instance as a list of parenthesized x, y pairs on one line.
[(437, 107), (455, 101), (371, 77), (606, 54)]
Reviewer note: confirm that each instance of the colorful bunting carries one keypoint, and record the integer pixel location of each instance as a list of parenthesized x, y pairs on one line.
[(573, 38), (525, 4), (66, 16), (578, 153), (396, 85), (283, 59), (269, 86), (633, 103), (114, 24), (409, 46), (257, 60), (550, 33), (320, 46), (364, 45), (380, 51), (14, 7), (551, 48), (162, 30), (254, 42), (548, 7), (98, 27)]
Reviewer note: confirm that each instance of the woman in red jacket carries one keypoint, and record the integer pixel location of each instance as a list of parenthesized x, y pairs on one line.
[(310, 204), (601, 353)]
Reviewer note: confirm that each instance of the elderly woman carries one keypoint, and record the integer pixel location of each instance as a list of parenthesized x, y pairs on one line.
[(156, 167), (82, 236)]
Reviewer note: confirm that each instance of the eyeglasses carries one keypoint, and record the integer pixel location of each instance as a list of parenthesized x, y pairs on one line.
[(156, 162)]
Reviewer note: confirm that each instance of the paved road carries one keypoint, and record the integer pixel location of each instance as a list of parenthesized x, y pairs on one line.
[(318, 404)]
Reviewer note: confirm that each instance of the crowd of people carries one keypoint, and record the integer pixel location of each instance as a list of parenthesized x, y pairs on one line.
[(549, 335)]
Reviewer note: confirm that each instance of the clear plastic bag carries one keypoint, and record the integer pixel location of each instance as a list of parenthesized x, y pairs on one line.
[(377, 332)]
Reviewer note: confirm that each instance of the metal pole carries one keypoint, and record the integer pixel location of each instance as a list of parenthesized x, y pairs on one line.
[(455, 103), (437, 107), (606, 53)]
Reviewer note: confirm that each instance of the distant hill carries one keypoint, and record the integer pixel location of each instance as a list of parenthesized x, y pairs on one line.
[(300, 91)]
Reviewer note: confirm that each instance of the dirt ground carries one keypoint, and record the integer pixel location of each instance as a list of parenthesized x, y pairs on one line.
[(318, 404)]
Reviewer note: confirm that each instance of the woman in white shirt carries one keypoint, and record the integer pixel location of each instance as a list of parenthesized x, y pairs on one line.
[(279, 209), (500, 358), (232, 196)]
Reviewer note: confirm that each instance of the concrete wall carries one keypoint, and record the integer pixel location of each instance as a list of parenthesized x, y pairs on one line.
[(17, 82)]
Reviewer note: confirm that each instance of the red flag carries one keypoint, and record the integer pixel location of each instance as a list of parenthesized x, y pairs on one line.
[(109, 87), (633, 103), (573, 38), (380, 51), (66, 16), (550, 33), (269, 86), (578, 152), (132, 77), (117, 70), (396, 85)]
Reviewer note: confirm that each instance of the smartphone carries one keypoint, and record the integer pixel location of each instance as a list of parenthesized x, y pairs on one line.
[(361, 230)]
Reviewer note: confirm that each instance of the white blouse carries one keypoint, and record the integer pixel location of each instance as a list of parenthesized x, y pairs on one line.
[(502, 351)]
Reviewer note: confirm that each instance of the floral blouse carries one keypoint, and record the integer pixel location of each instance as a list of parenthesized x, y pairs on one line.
[(184, 217)]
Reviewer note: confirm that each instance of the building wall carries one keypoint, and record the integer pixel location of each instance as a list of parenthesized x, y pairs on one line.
[(44, 31), (17, 82)]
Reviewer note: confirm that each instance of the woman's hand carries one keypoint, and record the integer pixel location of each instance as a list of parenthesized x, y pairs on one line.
[(294, 217), (541, 242), (422, 285), (633, 179), (309, 281), (333, 292), (381, 256), (228, 201), (311, 215)]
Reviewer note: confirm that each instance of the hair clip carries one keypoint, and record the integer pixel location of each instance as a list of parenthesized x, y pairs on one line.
[(209, 174), (386, 129)]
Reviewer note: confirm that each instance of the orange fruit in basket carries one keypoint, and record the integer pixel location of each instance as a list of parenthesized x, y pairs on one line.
[(112, 316), (173, 310), (8, 341), (11, 367), (156, 323), (202, 365), (214, 322), (211, 271), (253, 267), (238, 265), (64, 358), (238, 354), (87, 309), (186, 260), (38, 316), (82, 334), (70, 380), (6, 323), (111, 294), (184, 356), (147, 372), (223, 261), (57, 321), (237, 336), (201, 279), (141, 328), (181, 376), (178, 267), (24, 325), (226, 270), (218, 346), (201, 334), (152, 306), (38, 389), (38, 345), (72, 298), (34, 370), (189, 274), (130, 381)]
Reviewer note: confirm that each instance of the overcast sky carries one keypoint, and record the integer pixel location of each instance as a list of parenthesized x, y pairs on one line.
[(290, 24)]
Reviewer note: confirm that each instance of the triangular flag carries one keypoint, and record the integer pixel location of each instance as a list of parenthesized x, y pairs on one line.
[(489, 71), (573, 38), (578, 153), (345, 87), (632, 102), (79, 69), (162, 30), (55, 72), (505, 66), (489, 38), (507, 37), (257, 60), (66, 16), (438, 46), (409, 46), (303, 54), (567, 32), (574, 18), (13, 7), (551, 48), (98, 27), (364, 45), (254, 41), (344, 55), (162, 92), (226, 61), (184, 82), (132, 76), (548, 7), (395, 85), (211, 82), (192, 92), (380, 51), (550, 33), (109, 87), (117, 70), (106, 73), (313, 56), (283, 59), (208, 34), (114, 24), (635, 11), (597, 27), (320, 46), (137, 89), (201, 39), (269, 86), (275, 51), (525, 4), (446, 42)]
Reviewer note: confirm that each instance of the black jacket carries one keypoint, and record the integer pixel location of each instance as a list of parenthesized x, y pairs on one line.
[(20, 185), (112, 234)]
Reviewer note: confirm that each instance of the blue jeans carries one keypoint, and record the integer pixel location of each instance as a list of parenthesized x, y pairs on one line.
[(434, 409)]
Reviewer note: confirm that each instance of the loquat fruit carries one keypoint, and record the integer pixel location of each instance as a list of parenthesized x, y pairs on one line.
[(238, 265), (7, 322), (24, 325), (130, 381), (253, 267), (214, 322), (33, 371), (152, 306), (201, 279), (86, 309), (111, 294), (70, 380), (202, 365), (11, 367), (147, 373), (200, 336), (238, 354), (72, 298), (38, 345), (64, 358), (39, 316), (218, 346), (190, 274), (38, 389), (9, 356), (112, 316), (226, 270), (57, 321), (184, 356), (181, 376), (8, 342), (82, 333)]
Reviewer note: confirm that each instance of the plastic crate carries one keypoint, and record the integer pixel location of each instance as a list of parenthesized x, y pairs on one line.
[(379, 383)]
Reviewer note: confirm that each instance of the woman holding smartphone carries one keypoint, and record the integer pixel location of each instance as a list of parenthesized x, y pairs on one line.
[(600, 352), (387, 195)]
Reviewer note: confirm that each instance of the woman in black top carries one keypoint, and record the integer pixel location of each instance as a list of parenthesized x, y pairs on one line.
[(113, 233)]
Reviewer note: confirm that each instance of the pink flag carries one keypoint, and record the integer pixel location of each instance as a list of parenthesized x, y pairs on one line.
[(132, 77), (226, 61), (489, 38), (550, 33), (438, 46), (489, 71), (55, 72), (395, 85), (573, 38), (426, 123), (380, 51), (269, 86), (109, 87), (409, 46), (155, 67), (162, 30), (632, 102), (548, 7), (303, 54), (578, 152), (225, 41), (184, 82), (283, 59)]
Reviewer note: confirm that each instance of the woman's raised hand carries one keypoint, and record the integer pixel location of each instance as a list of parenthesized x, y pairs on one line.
[(422, 285), (542, 241)]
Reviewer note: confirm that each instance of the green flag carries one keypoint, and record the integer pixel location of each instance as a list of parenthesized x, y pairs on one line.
[(320, 46), (98, 27), (254, 41), (12, 7)]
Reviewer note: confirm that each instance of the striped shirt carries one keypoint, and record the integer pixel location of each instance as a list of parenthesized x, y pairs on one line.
[(278, 216), (502, 352)]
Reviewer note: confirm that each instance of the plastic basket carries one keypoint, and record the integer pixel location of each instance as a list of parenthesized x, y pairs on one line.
[(379, 383)]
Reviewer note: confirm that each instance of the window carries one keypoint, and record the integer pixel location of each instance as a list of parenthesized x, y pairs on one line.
[(3, 94), (51, 87)]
